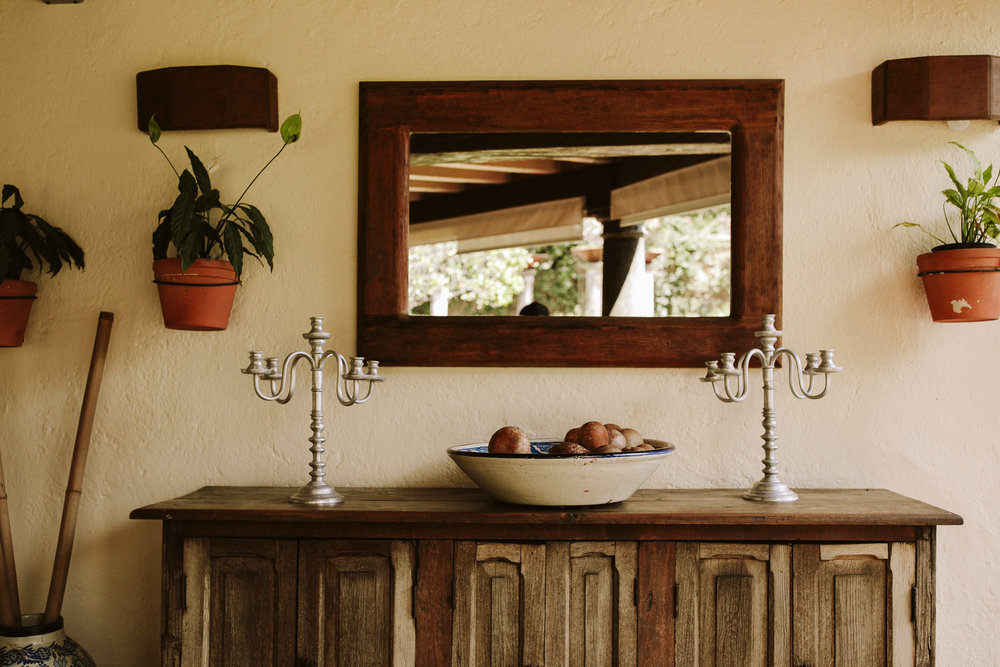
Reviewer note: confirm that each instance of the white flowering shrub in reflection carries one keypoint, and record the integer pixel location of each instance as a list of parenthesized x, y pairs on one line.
[(479, 283), (692, 273)]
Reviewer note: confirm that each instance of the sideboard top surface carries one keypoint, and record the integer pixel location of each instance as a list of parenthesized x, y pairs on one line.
[(455, 506)]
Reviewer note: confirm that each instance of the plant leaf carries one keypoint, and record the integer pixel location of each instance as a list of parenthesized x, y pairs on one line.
[(208, 201), (57, 242), (43, 251), (253, 243), (9, 190), (182, 217), (954, 179), (189, 250), (73, 249), (10, 223), (153, 129), (5, 265), (200, 173), (263, 239), (920, 227), (954, 198), (291, 129), (161, 238), (233, 246), (972, 158)]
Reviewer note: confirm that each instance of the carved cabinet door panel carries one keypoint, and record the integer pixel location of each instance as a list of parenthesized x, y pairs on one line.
[(852, 604), (355, 603), (732, 604), (499, 615), (239, 602), (590, 613), (558, 603)]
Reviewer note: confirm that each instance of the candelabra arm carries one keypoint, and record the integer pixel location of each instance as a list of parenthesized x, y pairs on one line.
[(273, 396), (742, 375), (343, 391), (794, 372), (368, 393), (286, 384), (726, 395), (796, 375), (747, 358)]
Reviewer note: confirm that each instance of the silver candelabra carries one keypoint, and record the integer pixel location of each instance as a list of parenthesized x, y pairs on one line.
[(770, 488), (281, 386)]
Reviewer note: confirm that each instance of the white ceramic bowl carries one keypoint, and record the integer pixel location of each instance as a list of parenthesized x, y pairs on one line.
[(540, 478)]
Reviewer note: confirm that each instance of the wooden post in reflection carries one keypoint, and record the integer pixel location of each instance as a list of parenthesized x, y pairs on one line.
[(624, 291)]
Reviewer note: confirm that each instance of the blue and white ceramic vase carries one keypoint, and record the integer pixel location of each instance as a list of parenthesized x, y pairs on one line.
[(40, 644)]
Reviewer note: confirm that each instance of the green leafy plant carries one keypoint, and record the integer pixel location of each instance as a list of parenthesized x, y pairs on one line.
[(23, 236), (977, 220), (200, 226)]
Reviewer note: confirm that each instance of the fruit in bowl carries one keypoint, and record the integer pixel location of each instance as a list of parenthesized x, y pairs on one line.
[(557, 472), (510, 440), (592, 437)]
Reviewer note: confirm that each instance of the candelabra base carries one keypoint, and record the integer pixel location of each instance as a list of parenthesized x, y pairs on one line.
[(773, 491), (315, 493)]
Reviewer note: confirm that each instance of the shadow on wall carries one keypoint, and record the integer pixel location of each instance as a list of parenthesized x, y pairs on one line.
[(120, 566)]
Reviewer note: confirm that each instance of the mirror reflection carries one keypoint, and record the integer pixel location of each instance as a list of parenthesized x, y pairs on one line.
[(570, 224)]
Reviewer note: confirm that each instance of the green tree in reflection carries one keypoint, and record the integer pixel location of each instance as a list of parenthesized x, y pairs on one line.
[(691, 271)]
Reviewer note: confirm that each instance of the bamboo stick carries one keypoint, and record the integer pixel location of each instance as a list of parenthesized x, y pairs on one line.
[(10, 605), (71, 506)]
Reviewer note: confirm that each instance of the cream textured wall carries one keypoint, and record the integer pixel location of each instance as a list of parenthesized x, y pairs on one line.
[(913, 412)]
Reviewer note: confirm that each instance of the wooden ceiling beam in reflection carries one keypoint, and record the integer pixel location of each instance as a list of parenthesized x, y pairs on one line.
[(457, 174)]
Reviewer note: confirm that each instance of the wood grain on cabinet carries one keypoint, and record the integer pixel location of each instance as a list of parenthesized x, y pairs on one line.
[(656, 603), (449, 576), (590, 610), (853, 604), (732, 604), (238, 602), (499, 604), (354, 602)]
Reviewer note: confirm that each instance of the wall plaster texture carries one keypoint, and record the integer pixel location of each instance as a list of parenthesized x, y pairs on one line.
[(911, 413)]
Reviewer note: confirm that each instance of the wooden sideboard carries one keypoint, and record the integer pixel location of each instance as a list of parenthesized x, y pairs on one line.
[(448, 576)]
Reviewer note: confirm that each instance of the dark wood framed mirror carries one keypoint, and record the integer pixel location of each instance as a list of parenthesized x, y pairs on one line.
[(748, 112)]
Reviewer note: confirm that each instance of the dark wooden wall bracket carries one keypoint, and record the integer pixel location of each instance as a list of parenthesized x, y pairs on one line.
[(207, 97), (936, 88)]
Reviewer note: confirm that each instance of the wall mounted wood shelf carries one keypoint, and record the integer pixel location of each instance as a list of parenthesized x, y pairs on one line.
[(936, 88), (208, 97)]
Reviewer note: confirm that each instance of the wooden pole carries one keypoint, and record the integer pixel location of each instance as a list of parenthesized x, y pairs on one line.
[(71, 506), (10, 606)]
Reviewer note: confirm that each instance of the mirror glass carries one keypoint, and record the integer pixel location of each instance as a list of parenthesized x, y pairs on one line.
[(572, 224)]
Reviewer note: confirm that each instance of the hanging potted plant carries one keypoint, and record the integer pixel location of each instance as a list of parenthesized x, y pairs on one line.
[(209, 241), (962, 276), (24, 236)]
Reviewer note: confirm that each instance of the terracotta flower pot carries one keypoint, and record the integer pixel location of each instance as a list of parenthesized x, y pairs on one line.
[(16, 299), (962, 284), (199, 299)]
